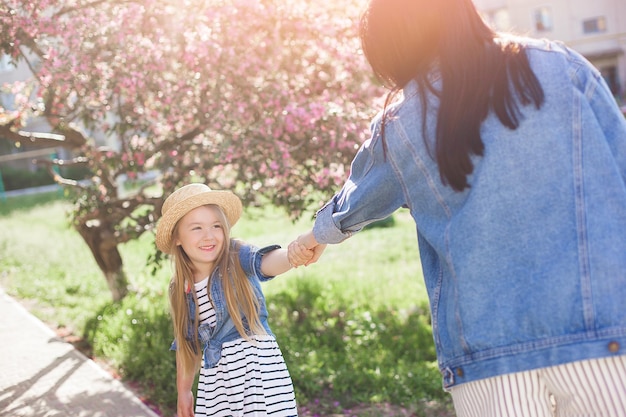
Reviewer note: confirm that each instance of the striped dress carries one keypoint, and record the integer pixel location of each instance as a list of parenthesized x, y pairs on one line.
[(250, 380)]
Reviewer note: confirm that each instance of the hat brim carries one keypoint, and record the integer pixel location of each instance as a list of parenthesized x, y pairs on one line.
[(226, 200)]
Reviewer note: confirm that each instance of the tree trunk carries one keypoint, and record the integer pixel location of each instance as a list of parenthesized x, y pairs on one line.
[(101, 240)]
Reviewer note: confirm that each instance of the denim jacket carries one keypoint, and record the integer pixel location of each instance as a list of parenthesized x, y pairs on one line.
[(212, 337), (527, 267)]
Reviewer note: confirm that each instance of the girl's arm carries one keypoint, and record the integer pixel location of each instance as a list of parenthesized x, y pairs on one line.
[(279, 261), (184, 384)]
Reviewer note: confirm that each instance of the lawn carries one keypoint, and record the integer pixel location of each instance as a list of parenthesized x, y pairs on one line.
[(354, 328)]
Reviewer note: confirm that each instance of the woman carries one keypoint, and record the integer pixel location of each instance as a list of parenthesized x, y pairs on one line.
[(510, 154)]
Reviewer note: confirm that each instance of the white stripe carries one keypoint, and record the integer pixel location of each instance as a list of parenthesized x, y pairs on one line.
[(595, 387), (251, 379), (579, 389)]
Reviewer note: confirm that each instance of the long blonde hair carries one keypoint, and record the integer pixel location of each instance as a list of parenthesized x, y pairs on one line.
[(241, 300)]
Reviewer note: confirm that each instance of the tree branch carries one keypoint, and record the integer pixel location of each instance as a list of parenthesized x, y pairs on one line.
[(166, 144), (49, 164), (88, 5), (38, 139)]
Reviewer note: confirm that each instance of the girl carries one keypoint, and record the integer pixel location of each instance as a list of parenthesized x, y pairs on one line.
[(218, 309)]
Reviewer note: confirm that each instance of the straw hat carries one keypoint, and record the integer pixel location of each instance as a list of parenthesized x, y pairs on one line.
[(187, 198)]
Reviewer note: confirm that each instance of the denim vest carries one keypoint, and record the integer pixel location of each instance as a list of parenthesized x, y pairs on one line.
[(211, 338), (527, 267)]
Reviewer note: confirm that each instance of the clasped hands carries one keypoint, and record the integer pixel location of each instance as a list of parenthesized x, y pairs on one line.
[(305, 250)]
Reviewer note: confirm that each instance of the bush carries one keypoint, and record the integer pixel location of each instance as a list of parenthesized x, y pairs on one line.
[(134, 335), (359, 354), (17, 179), (76, 172), (333, 349)]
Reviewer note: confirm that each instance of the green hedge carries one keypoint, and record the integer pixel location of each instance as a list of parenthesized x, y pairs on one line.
[(18, 179)]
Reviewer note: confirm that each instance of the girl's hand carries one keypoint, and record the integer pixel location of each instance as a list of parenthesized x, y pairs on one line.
[(185, 404), (298, 254), (308, 241)]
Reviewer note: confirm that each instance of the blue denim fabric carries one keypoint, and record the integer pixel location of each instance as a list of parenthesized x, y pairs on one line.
[(527, 268), (212, 338)]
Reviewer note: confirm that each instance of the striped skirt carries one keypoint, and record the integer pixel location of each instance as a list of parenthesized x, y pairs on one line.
[(251, 380)]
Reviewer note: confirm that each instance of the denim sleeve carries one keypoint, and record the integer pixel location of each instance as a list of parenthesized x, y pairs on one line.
[(250, 257), (371, 193), (603, 105), (611, 121)]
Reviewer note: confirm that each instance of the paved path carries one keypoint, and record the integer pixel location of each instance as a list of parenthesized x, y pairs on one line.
[(43, 376)]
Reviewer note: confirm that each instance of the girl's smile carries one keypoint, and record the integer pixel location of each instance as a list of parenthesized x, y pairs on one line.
[(201, 235)]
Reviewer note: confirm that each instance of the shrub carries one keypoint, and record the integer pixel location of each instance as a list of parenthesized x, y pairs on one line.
[(359, 354), (134, 336), (334, 349), (17, 179)]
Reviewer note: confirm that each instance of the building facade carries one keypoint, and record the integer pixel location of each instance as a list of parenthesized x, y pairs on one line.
[(20, 156), (596, 29)]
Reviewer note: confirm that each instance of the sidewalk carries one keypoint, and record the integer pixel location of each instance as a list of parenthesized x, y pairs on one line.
[(43, 376)]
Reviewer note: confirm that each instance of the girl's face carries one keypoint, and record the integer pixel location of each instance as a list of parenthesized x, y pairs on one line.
[(201, 235)]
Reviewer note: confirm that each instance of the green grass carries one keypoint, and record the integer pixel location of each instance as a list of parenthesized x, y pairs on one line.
[(354, 328)]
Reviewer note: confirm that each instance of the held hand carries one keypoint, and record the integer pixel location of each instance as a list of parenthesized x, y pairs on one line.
[(185, 404), (317, 252), (298, 254), (307, 240)]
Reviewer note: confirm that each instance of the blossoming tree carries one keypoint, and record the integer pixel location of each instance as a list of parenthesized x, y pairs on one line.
[(269, 98)]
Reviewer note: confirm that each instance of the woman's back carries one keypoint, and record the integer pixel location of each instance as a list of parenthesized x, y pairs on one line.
[(511, 155), (542, 225)]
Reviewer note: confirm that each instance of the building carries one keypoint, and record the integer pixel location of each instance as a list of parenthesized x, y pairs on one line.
[(596, 29), (22, 155)]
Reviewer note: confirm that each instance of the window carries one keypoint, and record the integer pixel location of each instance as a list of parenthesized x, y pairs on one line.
[(497, 19), (7, 100), (5, 63), (543, 19), (595, 25), (502, 20), (612, 79)]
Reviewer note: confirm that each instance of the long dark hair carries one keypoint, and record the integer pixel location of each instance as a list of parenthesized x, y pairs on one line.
[(404, 40)]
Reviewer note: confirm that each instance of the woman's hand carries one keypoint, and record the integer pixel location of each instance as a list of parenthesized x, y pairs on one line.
[(317, 252), (185, 404), (307, 242), (298, 254)]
